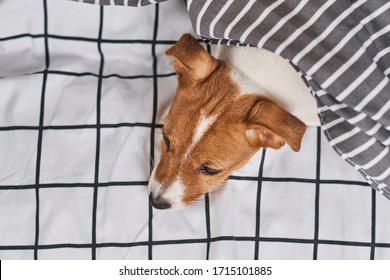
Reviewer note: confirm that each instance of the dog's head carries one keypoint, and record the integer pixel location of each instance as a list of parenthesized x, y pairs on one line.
[(212, 128)]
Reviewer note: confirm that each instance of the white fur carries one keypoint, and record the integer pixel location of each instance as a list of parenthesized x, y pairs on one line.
[(203, 125), (263, 72), (174, 194)]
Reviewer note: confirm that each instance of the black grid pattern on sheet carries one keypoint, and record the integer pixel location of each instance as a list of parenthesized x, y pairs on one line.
[(154, 126), (40, 135), (98, 126)]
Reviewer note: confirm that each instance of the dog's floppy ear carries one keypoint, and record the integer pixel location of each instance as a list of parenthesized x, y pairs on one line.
[(190, 60), (270, 126)]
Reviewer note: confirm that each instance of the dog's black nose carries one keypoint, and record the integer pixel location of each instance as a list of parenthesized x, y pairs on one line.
[(159, 202)]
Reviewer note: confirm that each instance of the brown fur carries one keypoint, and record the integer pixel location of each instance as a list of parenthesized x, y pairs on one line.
[(244, 123)]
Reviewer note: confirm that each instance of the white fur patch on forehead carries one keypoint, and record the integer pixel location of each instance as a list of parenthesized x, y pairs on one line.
[(204, 123)]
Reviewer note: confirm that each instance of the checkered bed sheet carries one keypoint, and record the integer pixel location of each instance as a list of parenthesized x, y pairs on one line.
[(82, 89)]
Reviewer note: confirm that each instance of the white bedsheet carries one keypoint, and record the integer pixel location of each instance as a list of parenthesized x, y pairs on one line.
[(81, 91)]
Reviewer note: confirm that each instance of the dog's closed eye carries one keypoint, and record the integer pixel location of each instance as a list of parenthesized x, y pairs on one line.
[(167, 142), (206, 170)]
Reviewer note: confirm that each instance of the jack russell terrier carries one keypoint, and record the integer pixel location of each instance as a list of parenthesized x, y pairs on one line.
[(224, 111)]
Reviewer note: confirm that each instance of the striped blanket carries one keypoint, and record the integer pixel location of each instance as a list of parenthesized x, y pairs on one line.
[(341, 47), (343, 50)]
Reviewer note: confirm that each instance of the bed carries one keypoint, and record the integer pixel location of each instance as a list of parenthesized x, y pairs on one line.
[(82, 91)]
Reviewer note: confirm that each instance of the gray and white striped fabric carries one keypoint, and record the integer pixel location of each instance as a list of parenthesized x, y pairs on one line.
[(343, 50)]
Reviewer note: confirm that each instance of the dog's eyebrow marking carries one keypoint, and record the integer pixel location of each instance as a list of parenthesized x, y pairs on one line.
[(204, 123)]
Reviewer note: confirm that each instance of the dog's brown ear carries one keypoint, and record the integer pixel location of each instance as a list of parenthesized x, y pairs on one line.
[(190, 60), (270, 126)]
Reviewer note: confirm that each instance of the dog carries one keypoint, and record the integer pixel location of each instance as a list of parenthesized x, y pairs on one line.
[(225, 109)]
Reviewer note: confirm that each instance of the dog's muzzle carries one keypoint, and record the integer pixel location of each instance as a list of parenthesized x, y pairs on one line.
[(159, 202)]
